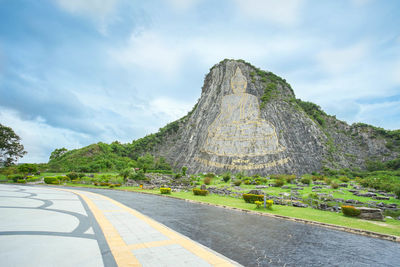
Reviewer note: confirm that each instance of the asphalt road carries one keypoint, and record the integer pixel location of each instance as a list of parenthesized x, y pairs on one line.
[(253, 240)]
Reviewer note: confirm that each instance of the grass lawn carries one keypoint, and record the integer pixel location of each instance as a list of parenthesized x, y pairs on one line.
[(390, 226)]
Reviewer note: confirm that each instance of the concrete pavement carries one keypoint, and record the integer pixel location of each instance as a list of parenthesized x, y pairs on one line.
[(44, 226)]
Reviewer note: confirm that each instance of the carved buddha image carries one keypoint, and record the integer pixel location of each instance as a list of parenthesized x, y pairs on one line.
[(238, 130)]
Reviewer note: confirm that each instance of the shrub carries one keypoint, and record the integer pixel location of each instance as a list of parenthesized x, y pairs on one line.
[(72, 175), (104, 184), (258, 204), (51, 180), (207, 180), (32, 179), (247, 182), (344, 179), (269, 203), (350, 211), (237, 182), (334, 185), (117, 185), (306, 180), (177, 175), (199, 192), (165, 190), (327, 180), (210, 174), (279, 182), (111, 186), (290, 178), (21, 181), (15, 177), (226, 177), (184, 170), (250, 198)]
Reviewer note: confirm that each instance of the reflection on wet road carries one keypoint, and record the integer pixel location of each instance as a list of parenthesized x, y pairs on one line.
[(261, 241)]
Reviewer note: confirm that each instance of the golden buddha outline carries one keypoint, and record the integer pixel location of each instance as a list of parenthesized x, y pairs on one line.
[(238, 130)]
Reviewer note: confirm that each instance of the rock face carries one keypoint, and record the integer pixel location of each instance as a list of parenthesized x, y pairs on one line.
[(370, 213), (249, 120)]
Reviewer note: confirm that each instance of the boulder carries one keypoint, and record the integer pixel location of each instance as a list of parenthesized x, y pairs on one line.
[(256, 192), (203, 187), (381, 198), (299, 205), (370, 213), (343, 185)]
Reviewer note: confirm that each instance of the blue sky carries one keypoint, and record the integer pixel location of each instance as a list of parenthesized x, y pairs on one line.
[(76, 72)]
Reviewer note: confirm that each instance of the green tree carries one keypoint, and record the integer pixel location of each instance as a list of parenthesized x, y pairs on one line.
[(10, 147), (27, 168), (146, 162), (125, 173), (58, 153), (184, 170)]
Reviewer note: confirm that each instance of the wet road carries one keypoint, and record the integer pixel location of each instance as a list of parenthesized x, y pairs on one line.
[(261, 241)]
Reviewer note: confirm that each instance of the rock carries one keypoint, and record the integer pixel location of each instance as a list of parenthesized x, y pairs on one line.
[(398, 218), (285, 187), (367, 194), (261, 186), (299, 204), (323, 206), (388, 217), (351, 201), (370, 213), (381, 198), (316, 187), (190, 141), (343, 185), (256, 192), (203, 187)]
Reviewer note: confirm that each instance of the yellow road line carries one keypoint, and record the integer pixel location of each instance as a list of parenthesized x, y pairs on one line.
[(118, 247), (122, 252)]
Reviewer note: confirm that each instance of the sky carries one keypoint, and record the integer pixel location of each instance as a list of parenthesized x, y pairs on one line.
[(77, 72)]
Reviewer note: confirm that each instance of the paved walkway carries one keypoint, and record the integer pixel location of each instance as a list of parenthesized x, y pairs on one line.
[(59, 227)]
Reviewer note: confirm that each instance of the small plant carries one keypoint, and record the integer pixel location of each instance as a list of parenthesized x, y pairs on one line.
[(111, 186), (350, 211), (279, 182), (21, 181), (290, 178), (226, 177), (344, 179), (200, 192), (250, 198), (104, 184), (51, 180), (165, 190), (237, 182), (306, 180), (247, 182), (258, 204), (184, 170), (269, 204), (210, 174), (327, 180), (207, 180), (334, 185)]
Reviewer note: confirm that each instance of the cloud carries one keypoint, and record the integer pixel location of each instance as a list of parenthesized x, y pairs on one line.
[(372, 114), (283, 12), (170, 109), (340, 60), (95, 8), (183, 5)]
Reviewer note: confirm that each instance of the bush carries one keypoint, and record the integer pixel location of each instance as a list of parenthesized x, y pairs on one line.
[(72, 175), (15, 177), (184, 170), (226, 177), (247, 182), (290, 178), (237, 182), (32, 179), (210, 174), (250, 198), (105, 184), (165, 190), (269, 204), (306, 180), (21, 181), (51, 180), (207, 180), (199, 192), (334, 185), (327, 180), (111, 186), (258, 204), (279, 182), (350, 211), (344, 179)]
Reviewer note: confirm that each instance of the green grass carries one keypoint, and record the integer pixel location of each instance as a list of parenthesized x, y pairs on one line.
[(390, 226)]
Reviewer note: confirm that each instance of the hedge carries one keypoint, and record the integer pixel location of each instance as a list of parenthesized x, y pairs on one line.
[(250, 198), (21, 181), (51, 180), (199, 192), (165, 190), (350, 211)]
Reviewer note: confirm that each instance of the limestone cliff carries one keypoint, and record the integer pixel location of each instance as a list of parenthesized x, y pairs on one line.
[(249, 120)]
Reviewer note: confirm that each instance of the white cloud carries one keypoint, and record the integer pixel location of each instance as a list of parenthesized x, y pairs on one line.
[(183, 5), (170, 109), (38, 138), (100, 11), (341, 60), (282, 12), (382, 114)]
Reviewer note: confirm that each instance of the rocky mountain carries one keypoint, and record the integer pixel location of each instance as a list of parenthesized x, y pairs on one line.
[(250, 120)]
